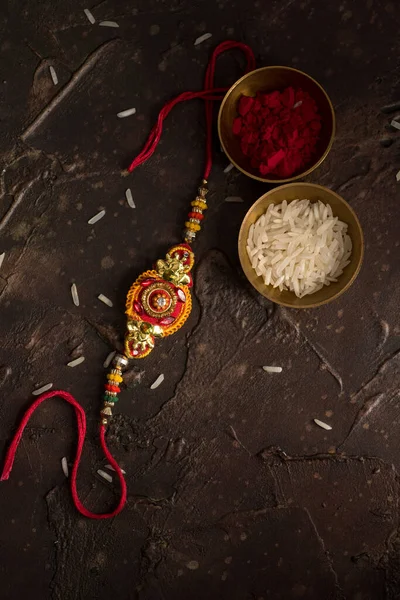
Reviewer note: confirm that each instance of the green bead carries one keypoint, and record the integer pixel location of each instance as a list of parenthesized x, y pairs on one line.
[(108, 398)]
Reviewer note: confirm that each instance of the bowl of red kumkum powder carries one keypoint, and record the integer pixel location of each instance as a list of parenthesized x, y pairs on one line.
[(276, 124)]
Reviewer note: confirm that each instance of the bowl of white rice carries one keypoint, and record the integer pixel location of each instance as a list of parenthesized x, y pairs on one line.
[(301, 245)]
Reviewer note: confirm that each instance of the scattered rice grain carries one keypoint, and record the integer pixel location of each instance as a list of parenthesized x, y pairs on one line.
[(97, 217), (395, 124), (76, 362), (126, 113), (129, 198), (157, 382), (202, 38), (42, 389), (74, 294), (322, 424), (64, 466), (105, 300), (54, 75), (228, 168), (109, 358), (111, 468), (89, 15), (397, 179), (2, 258), (105, 475), (108, 24), (273, 369)]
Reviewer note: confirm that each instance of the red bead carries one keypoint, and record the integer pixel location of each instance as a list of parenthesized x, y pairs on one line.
[(196, 215), (147, 282), (112, 388), (138, 307)]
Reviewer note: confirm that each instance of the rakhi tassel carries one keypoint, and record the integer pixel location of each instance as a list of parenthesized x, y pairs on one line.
[(209, 94), (81, 422)]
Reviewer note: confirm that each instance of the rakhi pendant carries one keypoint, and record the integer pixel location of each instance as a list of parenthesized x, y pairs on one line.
[(158, 303)]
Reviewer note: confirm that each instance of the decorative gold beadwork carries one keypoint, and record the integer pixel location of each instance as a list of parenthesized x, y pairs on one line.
[(172, 269), (140, 337)]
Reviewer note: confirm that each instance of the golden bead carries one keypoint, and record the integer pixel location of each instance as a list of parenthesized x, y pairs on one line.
[(200, 204), (192, 226), (104, 422)]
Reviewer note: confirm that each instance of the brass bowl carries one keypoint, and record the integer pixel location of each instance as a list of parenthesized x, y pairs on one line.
[(340, 209), (269, 79)]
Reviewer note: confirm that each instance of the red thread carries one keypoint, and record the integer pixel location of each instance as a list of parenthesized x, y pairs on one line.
[(209, 94), (81, 420)]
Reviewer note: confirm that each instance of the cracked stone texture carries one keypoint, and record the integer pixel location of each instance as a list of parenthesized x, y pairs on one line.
[(233, 492)]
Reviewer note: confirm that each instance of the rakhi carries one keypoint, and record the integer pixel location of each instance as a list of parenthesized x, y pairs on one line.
[(158, 302)]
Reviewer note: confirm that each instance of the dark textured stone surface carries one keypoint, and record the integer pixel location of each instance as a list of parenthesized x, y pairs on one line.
[(234, 493)]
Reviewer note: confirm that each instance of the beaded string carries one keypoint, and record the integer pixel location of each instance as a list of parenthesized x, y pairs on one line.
[(142, 332)]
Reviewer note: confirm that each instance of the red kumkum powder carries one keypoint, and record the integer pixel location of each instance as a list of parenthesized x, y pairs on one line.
[(278, 131)]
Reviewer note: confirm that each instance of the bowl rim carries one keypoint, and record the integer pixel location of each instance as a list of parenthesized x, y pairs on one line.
[(303, 173), (242, 246)]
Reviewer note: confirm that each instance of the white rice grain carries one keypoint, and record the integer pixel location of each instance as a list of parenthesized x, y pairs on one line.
[(228, 168), (202, 38), (157, 382), (76, 362), (53, 75), (105, 475), (2, 258), (299, 103), (111, 468), (42, 389), (322, 424), (126, 113), (74, 294), (397, 179), (97, 217), (395, 124), (273, 369), (129, 198), (109, 358), (105, 300), (64, 466), (89, 16), (108, 24)]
